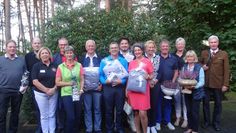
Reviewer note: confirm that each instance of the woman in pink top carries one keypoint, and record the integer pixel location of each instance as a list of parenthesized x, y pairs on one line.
[(140, 102)]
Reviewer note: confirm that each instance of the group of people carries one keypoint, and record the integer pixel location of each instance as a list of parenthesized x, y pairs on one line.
[(64, 85)]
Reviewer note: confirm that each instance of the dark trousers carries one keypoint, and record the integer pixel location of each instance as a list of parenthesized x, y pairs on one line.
[(152, 113), (217, 94), (37, 112), (60, 114), (113, 99), (73, 112), (164, 108), (15, 101), (192, 106)]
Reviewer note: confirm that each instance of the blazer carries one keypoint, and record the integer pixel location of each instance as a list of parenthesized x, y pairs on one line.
[(218, 73)]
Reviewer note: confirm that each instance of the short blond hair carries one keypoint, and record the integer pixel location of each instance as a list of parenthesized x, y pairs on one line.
[(40, 51), (191, 53)]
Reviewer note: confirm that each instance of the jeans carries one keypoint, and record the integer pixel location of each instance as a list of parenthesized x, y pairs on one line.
[(180, 105), (217, 93), (15, 99), (163, 108), (113, 99), (47, 107), (73, 112), (192, 112), (92, 107)]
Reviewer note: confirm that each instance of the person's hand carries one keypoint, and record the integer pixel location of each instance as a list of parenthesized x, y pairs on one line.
[(108, 81), (51, 91), (116, 82), (189, 87), (224, 88), (99, 87), (23, 89), (205, 67)]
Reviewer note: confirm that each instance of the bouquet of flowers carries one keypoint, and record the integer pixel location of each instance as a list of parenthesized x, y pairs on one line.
[(24, 82), (186, 79), (91, 78), (169, 89)]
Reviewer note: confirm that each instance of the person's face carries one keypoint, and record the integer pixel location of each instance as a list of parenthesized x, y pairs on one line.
[(138, 53), (213, 43), (190, 59), (61, 44), (90, 47), (114, 49), (36, 44), (150, 49), (69, 55), (45, 55), (164, 48), (11, 48), (180, 46), (124, 45)]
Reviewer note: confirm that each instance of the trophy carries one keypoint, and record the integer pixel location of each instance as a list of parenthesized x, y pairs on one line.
[(24, 82)]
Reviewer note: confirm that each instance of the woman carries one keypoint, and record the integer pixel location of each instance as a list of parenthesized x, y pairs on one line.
[(70, 78), (43, 77), (179, 98), (150, 50), (140, 102), (193, 100)]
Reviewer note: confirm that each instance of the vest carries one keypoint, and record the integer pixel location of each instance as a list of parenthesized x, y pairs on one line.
[(199, 92), (66, 75)]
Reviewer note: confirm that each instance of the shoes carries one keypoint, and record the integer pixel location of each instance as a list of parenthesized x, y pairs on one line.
[(170, 126), (148, 129), (205, 125), (184, 124), (217, 128), (177, 122), (188, 131), (153, 130), (158, 126)]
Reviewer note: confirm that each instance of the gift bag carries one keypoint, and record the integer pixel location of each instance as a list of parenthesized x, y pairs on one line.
[(137, 81), (91, 78)]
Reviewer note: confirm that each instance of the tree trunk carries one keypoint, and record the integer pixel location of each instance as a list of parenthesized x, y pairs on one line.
[(107, 5), (37, 16), (129, 5), (97, 2), (21, 36), (28, 19), (52, 7), (7, 15)]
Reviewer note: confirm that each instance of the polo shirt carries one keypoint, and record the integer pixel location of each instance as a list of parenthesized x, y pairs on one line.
[(30, 60), (167, 68), (44, 74)]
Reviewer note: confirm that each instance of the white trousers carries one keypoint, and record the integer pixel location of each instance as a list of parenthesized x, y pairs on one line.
[(47, 107), (178, 106)]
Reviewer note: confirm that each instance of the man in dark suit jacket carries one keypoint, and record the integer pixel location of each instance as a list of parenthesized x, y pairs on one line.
[(216, 65)]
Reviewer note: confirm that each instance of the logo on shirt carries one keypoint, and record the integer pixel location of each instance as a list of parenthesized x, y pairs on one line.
[(42, 71)]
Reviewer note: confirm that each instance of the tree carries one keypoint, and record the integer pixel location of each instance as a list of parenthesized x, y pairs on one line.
[(7, 14)]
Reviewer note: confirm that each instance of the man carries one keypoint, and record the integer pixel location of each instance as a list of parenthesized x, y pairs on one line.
[(168, 71), (59, 58), (124, 45), (216, 66), (12, 68), (113, 89), (92, 96), (30, 60)]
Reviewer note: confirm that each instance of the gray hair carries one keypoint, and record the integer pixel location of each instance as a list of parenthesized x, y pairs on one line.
[(213, 37), (180, 39), (164, 41), (90, 40), (68, 48), (191, 53)]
